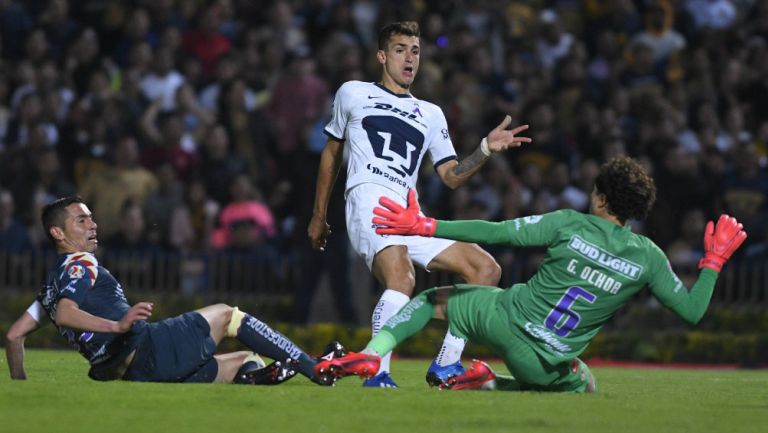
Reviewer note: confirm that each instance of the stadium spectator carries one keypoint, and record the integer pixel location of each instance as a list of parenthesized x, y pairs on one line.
[(228, 67), (193, 221), (246, 222), (659, 33), (220, 165), (161, 83), (540, 327), (15, 23), (553, 43), (131, 239), (160, 204), (298, 99), (42, 184), (387, 135), (135, 30), (195, 118), (168, 142), (89, 308), (59, 26), (745, 189), (251, 133), (685, 251), (205, 41), (130, 250), (110, 187), (13, 234)]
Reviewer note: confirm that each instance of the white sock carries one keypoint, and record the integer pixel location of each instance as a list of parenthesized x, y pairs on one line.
[(451, 351), (391, 302)]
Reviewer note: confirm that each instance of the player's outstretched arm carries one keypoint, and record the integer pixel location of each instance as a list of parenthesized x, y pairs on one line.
[(721, 241), (455, 174), (393, 219), (14, 347)]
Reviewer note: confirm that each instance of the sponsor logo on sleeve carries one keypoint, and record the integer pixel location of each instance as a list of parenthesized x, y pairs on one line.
[(531, 219)]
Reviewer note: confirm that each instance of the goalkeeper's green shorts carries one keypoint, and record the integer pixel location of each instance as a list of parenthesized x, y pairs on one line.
[(475, 314)]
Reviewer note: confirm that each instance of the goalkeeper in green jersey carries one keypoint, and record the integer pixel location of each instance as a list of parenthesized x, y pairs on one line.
[(593, 266)]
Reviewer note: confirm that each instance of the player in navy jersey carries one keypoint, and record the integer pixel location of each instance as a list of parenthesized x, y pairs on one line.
[(387, 132), (89, 308)]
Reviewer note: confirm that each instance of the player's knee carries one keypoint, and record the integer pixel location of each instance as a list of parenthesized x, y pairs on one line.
[(233, 320), (591, 383), (492, 273), (487, 273), (403, 283)]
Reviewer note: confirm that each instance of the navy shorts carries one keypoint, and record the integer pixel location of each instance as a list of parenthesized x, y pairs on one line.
[(179, 349)]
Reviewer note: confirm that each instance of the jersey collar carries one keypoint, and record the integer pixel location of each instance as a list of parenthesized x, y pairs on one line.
[(380, 86)]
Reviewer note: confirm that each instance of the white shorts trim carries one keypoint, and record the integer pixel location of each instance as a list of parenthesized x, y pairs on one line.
[(361, 200)]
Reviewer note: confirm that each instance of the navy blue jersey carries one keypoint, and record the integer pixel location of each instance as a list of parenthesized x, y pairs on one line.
[(79, 277)]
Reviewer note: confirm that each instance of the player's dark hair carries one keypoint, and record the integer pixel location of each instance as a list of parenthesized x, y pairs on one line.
[(54, 214), (407, 28), (629, 190)]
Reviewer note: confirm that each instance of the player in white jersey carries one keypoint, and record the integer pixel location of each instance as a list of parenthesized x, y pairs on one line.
[(388, 131)]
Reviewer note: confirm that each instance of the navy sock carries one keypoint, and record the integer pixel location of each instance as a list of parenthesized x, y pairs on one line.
[(262, 339)]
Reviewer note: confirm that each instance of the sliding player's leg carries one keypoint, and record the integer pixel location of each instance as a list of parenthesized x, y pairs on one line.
[(475, 266), (407, 322), (530, 370), (226, 321)]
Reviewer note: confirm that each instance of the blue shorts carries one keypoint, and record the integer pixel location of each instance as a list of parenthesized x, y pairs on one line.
[(179, 349)]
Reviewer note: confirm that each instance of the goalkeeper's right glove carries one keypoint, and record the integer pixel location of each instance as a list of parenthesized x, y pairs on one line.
[(720, 241), (393, 219)]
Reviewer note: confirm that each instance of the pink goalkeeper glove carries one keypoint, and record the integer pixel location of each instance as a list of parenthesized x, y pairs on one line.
[(396, 220), (720, 241)]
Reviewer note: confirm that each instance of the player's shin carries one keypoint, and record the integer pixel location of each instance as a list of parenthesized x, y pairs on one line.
[(408, 321), (389, 304), (264, 340)]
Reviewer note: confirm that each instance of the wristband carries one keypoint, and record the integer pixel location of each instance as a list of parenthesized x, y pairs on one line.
[(484, 147)]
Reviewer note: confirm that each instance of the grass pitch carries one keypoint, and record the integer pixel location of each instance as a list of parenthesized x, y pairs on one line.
[(58, 397)]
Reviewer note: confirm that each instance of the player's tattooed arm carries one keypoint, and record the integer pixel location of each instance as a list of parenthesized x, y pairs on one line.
[(456, 173), (469, 165)]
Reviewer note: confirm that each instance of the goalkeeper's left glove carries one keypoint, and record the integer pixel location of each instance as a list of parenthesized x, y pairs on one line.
[(720, 241), (393, 219)]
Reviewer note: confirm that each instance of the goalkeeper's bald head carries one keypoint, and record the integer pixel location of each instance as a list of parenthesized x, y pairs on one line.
[(628, 189)]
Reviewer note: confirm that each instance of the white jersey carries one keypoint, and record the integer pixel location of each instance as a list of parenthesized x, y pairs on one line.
[(387, 135)]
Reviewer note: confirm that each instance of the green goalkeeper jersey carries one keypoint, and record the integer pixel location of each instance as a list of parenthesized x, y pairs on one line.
[(591, 269)]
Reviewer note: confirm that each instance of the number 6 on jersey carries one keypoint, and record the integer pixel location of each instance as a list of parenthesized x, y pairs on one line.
[(563, 309)]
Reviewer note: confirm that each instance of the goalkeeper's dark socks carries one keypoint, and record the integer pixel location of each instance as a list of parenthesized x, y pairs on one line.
[(264, 340)]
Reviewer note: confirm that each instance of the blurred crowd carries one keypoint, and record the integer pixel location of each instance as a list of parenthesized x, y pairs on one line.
[(193, 126)]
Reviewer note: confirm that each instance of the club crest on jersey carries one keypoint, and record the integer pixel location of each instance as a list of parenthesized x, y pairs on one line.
[(81, 266), (76, 272)]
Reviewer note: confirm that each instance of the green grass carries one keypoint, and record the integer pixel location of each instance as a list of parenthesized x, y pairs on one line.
[(58, 397)]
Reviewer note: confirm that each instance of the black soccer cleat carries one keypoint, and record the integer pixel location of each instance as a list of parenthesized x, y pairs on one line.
[(250, 373), (333, 350)]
